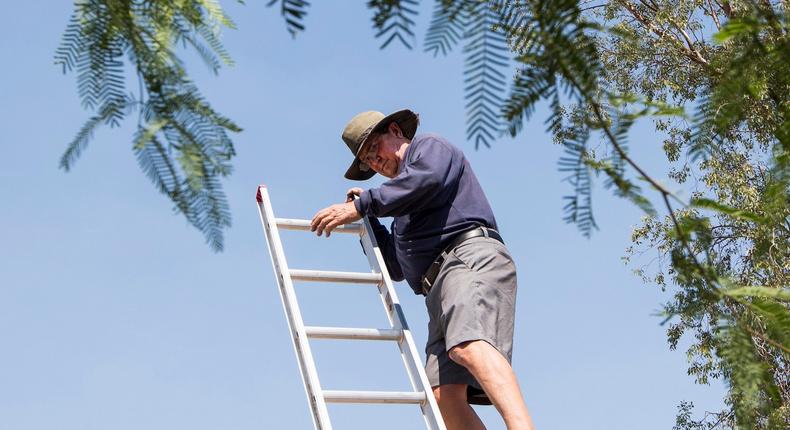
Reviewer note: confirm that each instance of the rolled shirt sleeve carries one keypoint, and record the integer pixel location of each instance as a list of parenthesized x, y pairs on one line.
[(387, 246)]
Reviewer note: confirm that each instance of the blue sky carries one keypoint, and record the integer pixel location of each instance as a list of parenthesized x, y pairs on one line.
[(115, 314)]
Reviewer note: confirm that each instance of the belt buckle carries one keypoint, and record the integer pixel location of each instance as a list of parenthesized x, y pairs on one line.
[(426, 285)]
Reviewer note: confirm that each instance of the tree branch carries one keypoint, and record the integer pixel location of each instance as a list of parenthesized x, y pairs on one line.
[(688, 49), (714, 15)]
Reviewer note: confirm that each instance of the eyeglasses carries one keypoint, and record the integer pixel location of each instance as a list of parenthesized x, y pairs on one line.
[(372, 153)]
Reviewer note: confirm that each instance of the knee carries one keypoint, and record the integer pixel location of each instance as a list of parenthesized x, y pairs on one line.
[(449, 395), (463, 353)]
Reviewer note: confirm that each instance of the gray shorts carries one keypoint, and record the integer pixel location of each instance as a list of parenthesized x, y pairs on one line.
[(473, 298)]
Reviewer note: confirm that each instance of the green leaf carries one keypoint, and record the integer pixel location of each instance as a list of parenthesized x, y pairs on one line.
[(734, 28), (759, 291), (150, 130), (706, 203)]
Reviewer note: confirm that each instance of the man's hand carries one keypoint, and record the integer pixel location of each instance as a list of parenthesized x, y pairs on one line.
[(353, 192), (328, 218)]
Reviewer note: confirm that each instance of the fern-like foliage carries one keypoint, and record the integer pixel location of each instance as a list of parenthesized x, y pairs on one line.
[(760, 33), (294, 12), (393, 19), (575, 163), (614, 166), (758, 335), (753, 392), (181, 143), (487, 55), (448, 26), (478, 24), (80, 142), (556, 57)]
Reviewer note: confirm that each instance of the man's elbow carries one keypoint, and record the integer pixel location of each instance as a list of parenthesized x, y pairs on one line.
[(396, 275)]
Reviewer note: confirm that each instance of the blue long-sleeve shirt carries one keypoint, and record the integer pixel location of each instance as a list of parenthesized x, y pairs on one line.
[(434, 197)]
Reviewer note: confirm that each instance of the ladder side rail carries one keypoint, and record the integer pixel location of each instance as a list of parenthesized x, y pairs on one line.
[(408, 348), (299, 339)]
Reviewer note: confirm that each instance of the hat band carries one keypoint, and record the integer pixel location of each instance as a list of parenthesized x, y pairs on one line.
[(364, 137)]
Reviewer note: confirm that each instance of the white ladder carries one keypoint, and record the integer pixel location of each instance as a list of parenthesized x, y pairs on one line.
[(398, 331)]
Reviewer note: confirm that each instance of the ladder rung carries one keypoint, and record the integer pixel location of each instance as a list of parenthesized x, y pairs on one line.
[(353, 333), (327, 276), (304, 224), (374, 396)]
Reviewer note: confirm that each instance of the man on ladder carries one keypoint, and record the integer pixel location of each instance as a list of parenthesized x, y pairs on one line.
[(444, 243)]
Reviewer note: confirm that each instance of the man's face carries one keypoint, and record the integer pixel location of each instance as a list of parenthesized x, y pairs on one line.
[(381, 152)]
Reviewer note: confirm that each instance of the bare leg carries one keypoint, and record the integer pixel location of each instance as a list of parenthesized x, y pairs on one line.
[(456, 412), (495, 375)]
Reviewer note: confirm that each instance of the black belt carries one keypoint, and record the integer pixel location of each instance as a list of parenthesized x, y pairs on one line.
[(433, 269)]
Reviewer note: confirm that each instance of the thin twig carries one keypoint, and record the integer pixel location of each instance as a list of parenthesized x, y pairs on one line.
[(714, 15)]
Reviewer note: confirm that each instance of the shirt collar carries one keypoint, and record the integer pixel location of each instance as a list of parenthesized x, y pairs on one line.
[(406, 154)]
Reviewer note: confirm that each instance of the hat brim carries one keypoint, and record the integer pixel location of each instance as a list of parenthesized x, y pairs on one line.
[(406, 120)]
